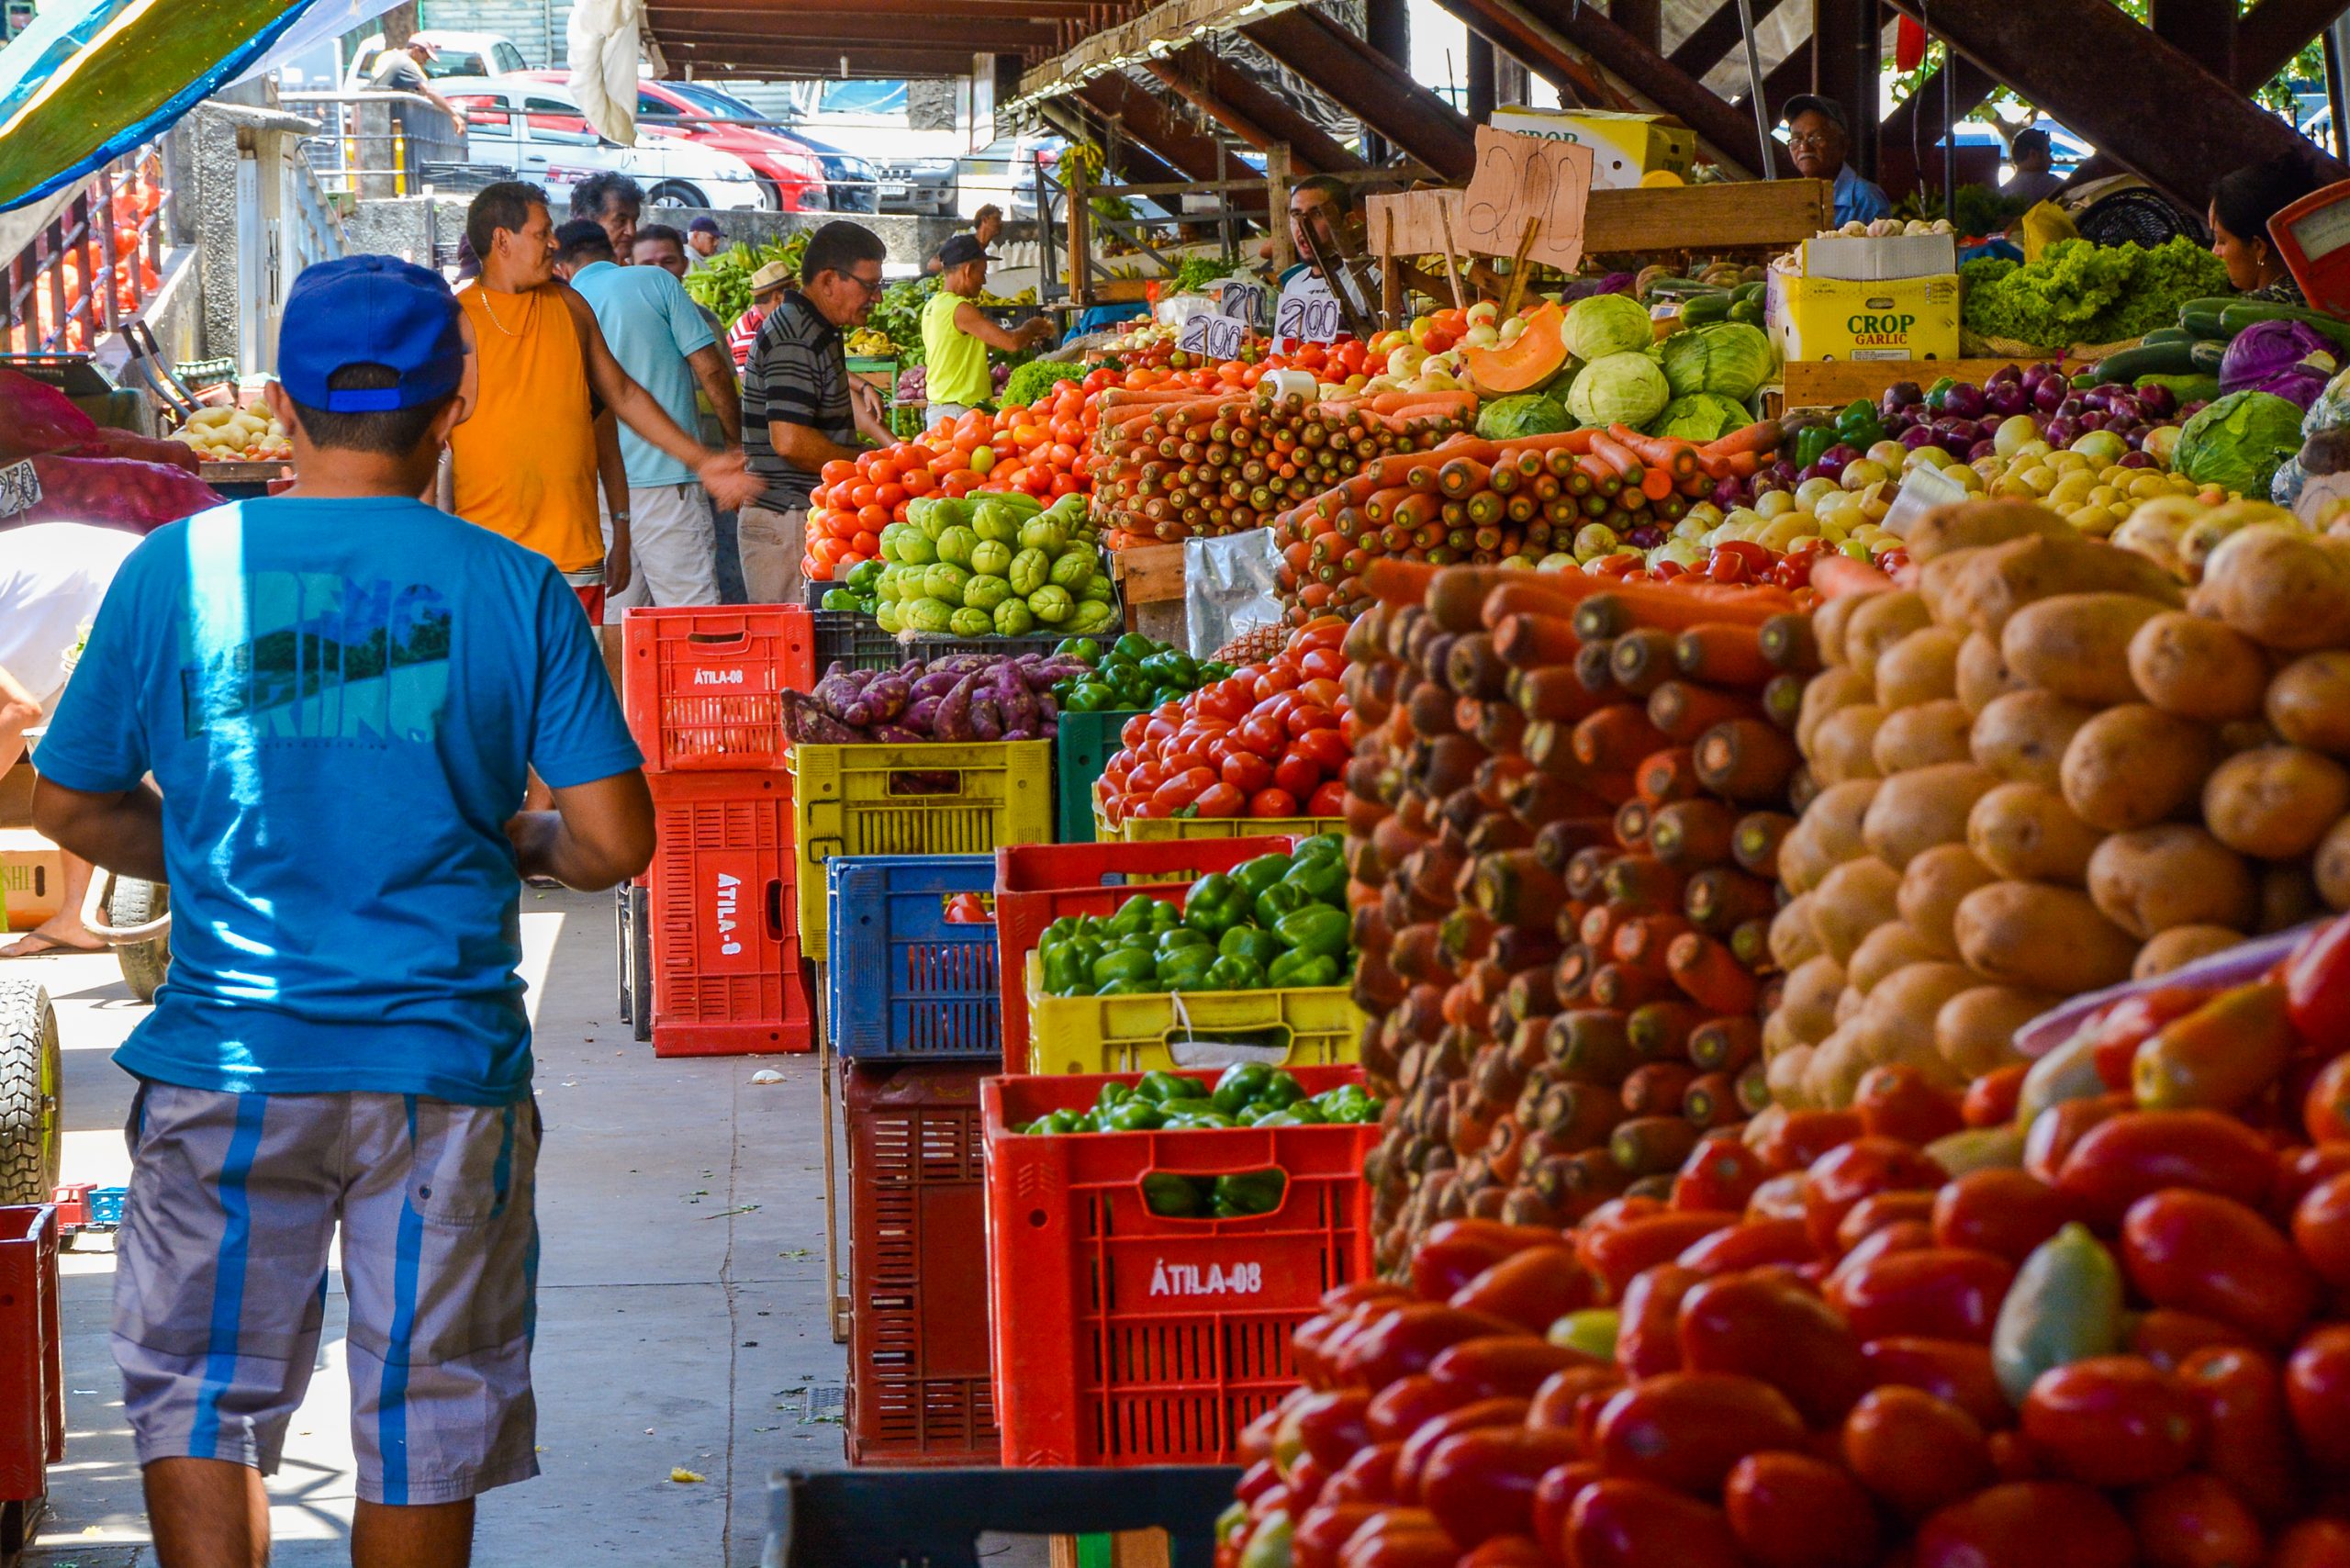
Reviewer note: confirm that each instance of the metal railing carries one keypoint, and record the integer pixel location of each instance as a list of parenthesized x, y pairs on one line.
[(93, 265), (378, 142)]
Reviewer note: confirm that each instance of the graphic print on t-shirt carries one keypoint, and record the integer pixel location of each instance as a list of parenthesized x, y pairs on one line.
[(318, 656)]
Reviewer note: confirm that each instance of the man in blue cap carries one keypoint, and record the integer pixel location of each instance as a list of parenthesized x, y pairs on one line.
[(338, 692), (1819, 139)]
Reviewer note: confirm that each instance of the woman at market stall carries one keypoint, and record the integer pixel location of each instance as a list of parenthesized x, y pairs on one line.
[(956, 334), (2242, 204)]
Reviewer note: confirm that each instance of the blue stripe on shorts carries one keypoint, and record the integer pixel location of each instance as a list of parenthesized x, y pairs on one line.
[(229, 1278), (392, 1424)]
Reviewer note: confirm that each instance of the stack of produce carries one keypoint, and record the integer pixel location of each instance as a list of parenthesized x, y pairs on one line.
[(1271, 742), (2038, 772), (1170, 464), (1247, 1094), (1572, 497), (1134, 672), (1562, 825), (2078, 292), (1276, 922), (2097, 1327), (723, 283), (965, 696), (995, 566), (236, 435)]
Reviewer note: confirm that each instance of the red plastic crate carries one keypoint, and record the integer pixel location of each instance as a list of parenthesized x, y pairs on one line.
[(702, 684), (32, 1369), (727, 977), (1124, 1337), (1036, 884), (919, 1390)]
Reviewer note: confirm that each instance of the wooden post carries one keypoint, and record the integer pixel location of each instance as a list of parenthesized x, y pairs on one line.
[(1080, 253), (1451, 268), (1277, 203), (1391, 281), (1518, 271)]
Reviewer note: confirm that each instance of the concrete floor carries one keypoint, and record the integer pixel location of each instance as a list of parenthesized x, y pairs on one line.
[(682, 1297)]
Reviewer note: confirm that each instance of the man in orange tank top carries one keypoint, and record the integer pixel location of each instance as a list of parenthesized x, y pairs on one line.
[(524, 464)]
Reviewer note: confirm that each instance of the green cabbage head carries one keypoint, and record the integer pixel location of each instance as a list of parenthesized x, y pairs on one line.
[(1617, 390), (1526, 413), (1729, 358), (2238, 442), (1700, 417), (1605, 324)]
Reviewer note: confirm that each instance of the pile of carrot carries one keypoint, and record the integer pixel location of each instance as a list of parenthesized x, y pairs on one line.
[(1563, 821), (1476, 502), (1171, 464)]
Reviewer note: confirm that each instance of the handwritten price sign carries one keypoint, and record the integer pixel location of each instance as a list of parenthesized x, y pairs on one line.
[(1217, 337), (1308, 311), (1246, 302)]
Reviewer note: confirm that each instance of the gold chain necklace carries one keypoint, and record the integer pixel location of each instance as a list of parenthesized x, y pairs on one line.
[(494, 321)]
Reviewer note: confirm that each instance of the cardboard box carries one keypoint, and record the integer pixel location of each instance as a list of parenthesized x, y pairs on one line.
[(1825, 317), (1624, 146), (1880, 260), (32, 879)]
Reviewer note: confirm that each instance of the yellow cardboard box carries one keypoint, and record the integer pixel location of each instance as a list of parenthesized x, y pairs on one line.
[(1830, 318), (1623, 146), (32, 879)]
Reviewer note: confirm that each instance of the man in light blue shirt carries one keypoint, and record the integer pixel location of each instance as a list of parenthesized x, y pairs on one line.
[(1818, 136), (662, 339)]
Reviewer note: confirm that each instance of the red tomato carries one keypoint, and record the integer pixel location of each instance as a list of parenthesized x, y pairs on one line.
[(2250, 1439), (1332, 1425), (2215, 1257), (1721, 1173), (1751, 1244), (1873, 1214), (1399, 1538), (2195, 1521), (2120, 1161), (2113, 1421), (1324, 749), (1790, 1510), (1533, 1288), (1802, 1137), (1861, 1169), (1959, 1374), (1897, 1101), (2055, 1130), (2027, 1524), (2303, 1169), (1936, 1292), (2314, 1543), (1901, 1236), (2167, 1338), (1616, 1252), (2322, 1230), (1999, 1211), (1648, 1332), (1221, 800), (1990, 1100), (1266, 803), (2134, 1020), (1411, 1465), (1480, 1484), (1505, 1365), (1554, 1499), (1369, 1476), (2317, 1394), (1631, 1524), (1245, 770), (1329, 799), (1686, 1429), (1325, 1528), (1303, 718), (1182, 789), (1914, 1450), (1400, 1340), (1559, 1399), (1458, 1250), (1297, 775), (1771, 1329), (2325, 1108)]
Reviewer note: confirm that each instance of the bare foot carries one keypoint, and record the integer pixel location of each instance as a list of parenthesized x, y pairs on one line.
[(57, 935)]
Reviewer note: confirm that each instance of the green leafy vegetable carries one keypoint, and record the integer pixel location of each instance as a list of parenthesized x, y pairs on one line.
[(1527, 413), (1731, 360), (1605, 324), (1618, 389), (1700, 416), (2238, 442), (1036, 378), (2082, 293)]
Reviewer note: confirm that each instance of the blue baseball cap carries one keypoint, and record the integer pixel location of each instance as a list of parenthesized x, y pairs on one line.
[(370, 310)]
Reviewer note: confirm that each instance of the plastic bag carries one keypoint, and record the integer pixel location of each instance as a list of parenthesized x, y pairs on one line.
[(119, 491), (35, 417), (2042, 226), (1231, 585)]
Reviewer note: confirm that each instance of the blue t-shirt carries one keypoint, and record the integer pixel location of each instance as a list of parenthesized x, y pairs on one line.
[(338, 700), (651, 324), (1857, 199)]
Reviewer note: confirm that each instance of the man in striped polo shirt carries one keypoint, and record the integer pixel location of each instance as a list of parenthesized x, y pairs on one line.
[(801, 410)]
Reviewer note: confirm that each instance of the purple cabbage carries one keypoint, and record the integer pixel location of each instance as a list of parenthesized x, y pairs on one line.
[(2289, 359)]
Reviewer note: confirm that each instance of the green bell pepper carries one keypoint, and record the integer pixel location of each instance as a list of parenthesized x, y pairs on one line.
[(1067, 968), (1939, 393), (1186, 968), (1316, 929), (1133, 645), (1811, 442), (1254, 943), (1235, 971), (1147, 987), (1163, 915), (1242, 1082), (1090, 696), (1255, 876), (1082, 648), (1302, 972), (1132, 916), (1171, 668), (1247, 1193), (1282, 1090), (1214, 905), (1858, 425), (1281, 900), (1165, 1086), (1113, 1095), (1123, 963), (1135, 1116), (1060, 930), (1323, 843), (1324, 877), (1173, 1197), (1180, 936)]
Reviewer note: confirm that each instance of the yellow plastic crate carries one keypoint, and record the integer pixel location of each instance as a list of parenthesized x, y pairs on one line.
[(857, 799), (1160, 830), (1188, 1031)]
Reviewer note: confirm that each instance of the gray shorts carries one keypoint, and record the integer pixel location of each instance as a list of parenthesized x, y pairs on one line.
[(220, 1281)]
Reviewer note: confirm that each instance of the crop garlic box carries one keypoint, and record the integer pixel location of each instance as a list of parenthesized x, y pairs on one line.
[(1623, 146), (1831, 317), (1882, 258)]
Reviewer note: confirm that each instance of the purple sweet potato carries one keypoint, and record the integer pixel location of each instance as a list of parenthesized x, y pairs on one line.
[(952, 721), (1017, 703), (987, 719), (920, 716), (896, 735), (889, 695), (805, 723)]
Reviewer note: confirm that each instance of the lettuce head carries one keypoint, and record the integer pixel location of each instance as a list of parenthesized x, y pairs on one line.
[(1605, 324), (1618, 389), (2238, 442), (1730, 358)]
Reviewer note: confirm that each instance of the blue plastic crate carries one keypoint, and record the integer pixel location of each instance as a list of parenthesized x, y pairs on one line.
[(106, 1204), (906, 983)]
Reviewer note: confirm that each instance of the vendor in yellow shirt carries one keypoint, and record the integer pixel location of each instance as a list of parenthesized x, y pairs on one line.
[(956, 334)]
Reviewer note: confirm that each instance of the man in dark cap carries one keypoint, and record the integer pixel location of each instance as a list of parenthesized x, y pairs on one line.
[(1820, 137)]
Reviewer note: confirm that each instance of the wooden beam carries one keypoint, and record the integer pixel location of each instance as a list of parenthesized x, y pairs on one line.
[(1021, 11), (1847, 53), (1563, 39), (1644, 19), (2101, 83), (1380, 93), (1481, 77), (1244, 105), (1189, 150), (851, 29), (736, 57), (1714, 38), (2203, 28)]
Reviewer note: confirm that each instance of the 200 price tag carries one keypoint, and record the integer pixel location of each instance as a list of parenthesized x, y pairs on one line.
[(1217, 337), (1245, 302)]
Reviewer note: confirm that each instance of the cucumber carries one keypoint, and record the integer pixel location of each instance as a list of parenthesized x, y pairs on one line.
[(1745, 292), (2201, 317), (2169, 335), (1749, 311), (1674, 288), (2177, 358), (2243, 313), (2206, 354), (1703, 309)]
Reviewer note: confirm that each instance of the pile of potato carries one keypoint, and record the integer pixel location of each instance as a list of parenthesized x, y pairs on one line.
[(2042, 771)]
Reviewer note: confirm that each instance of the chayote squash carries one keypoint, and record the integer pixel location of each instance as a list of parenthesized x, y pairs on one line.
[(1030, 571), (1052, 604), (886, 616), (915, 548), (985, 592), (1096, 591), (991, 559), (1012, 618), (948, 514), (970, 623), (956, 545), (1073, 570), (1044, 532), (1092, 615), (992, 519), (929, 614), (944, 582)]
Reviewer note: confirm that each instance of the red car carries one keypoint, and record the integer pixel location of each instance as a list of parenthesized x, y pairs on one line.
[(793, 175)]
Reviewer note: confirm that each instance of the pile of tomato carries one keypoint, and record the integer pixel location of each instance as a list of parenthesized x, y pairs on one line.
[(1041, 449), (2041, 1325), (1272, 741)]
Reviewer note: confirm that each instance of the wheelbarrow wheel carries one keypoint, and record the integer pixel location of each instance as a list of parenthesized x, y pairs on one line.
[(31, 1103), (144, 964)]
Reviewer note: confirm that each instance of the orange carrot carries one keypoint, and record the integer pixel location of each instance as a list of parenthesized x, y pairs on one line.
[(1709, 976), (1722, 654), (1835, 574), (1664, 777), (1660, 452), (1763, 436), (1393, 580), (1682, 710), (1615, 737), (1656, 484), (1540, 593), (1527, 642), (1618, 459)]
